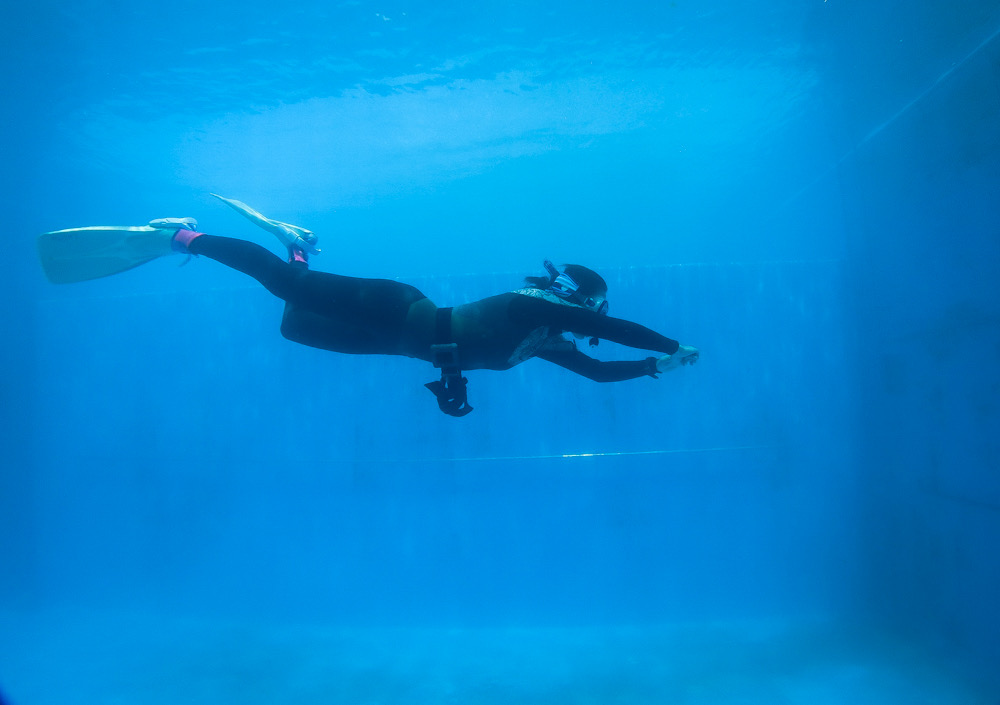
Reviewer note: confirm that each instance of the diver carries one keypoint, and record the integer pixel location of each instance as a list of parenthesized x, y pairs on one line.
[(385, 317)]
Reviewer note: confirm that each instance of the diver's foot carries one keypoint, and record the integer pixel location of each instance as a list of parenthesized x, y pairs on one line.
[(174, 223), (296, 238), (185, 230), (290, 235)]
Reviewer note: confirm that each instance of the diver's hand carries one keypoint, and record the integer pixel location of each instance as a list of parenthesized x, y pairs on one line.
[(685, 355)]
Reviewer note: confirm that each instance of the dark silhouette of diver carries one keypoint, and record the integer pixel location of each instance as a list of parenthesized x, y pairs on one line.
[(384, 317)]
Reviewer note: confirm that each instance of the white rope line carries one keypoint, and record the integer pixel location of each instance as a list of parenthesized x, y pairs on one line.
[(554, 456)]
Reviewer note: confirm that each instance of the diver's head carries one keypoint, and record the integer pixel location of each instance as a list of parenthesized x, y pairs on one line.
[(575, 283), (591, 289)]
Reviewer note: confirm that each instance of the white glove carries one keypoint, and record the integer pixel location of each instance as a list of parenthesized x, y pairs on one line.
[(685, 355)]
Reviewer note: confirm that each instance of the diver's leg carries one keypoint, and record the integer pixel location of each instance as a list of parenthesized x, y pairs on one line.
[(279, 277), (350, 315), (328, 311), (338, 334)]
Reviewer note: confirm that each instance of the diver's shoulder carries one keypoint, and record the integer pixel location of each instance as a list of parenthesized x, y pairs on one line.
[(540, 295)]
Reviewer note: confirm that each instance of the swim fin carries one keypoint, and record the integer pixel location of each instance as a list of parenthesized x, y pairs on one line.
[(80, 254), (289, 235)]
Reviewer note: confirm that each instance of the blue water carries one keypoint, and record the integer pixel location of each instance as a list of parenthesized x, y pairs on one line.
[(193, 509)]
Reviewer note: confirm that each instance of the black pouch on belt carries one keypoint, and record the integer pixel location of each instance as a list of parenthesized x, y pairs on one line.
[(450, 390)]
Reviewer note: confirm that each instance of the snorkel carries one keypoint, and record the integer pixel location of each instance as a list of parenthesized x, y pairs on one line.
[(563, 285)]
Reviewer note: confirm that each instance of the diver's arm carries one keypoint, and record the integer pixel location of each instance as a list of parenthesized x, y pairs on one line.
[(590, 323), (634, 335), (628, 333), (575, 361)]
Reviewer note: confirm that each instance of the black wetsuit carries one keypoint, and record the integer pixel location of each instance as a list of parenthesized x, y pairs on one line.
[(501, 331), (381, 316)]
